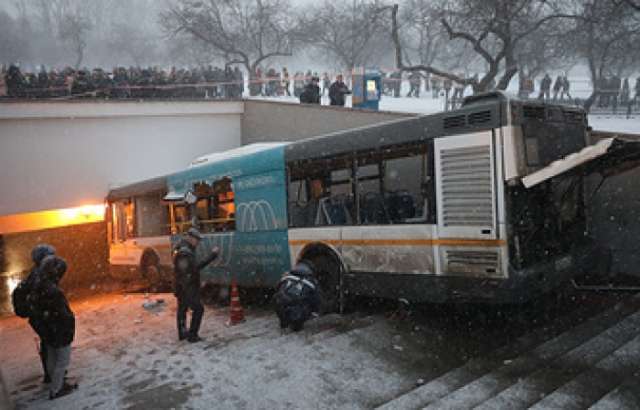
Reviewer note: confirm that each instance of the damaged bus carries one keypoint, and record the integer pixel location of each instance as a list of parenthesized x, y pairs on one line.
[(487, 203)]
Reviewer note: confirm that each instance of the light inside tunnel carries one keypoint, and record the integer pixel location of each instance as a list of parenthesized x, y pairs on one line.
[(12, 283), (55, 218)]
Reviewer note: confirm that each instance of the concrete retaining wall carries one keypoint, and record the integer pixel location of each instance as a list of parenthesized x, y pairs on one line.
[(67, 154), (276, 121)]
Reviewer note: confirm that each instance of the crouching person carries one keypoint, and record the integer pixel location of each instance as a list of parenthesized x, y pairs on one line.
[(56, 323), (297, 297)]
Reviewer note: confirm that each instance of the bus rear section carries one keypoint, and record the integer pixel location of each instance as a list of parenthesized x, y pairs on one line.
[(466, 226)]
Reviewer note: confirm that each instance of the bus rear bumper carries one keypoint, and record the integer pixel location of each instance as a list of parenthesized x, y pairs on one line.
[(520, 286)]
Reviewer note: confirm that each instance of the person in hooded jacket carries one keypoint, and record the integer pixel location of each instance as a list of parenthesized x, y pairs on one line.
[(311, 92), (55, 323), (187, 283), (297, 297), (38, 253)]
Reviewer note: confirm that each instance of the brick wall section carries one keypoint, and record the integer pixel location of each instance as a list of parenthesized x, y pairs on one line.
[(83, 246), (276, 121)]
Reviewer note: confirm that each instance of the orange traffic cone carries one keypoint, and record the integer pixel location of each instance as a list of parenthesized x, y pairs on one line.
[(237, 313)]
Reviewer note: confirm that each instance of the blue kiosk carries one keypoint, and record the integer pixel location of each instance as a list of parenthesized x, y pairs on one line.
[(367, 89)]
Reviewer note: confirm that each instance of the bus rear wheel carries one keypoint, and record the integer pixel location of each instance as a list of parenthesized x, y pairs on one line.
[(327, 269)]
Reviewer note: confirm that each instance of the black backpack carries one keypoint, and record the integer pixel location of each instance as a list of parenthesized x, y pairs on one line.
[(20, 299)]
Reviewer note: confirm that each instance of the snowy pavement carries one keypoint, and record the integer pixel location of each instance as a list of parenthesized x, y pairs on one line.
[(127, 356)]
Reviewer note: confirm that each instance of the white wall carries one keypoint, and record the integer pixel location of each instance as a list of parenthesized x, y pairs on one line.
[(66, 154)]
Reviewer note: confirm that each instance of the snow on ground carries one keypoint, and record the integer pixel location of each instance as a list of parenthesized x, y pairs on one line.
[(427, 105), (125, 356)]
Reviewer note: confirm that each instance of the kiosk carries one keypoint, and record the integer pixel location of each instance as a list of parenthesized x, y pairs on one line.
[(367, 88)]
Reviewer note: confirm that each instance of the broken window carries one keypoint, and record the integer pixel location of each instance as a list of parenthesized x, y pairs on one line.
[(215, 207)]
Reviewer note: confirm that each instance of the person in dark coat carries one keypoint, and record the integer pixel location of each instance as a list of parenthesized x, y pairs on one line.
[(414, 83), (15, 82), (396, 77), (297, 297), (187, 283), (545, 88), (337, 91), (56, 323), (38, 253), (311, 92)]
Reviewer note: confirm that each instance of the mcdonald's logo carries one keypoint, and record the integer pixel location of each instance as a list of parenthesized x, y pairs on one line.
[(256, 216)]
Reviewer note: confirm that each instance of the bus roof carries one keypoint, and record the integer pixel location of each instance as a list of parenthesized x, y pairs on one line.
[(487, 112), (234, 153), (157, 184)]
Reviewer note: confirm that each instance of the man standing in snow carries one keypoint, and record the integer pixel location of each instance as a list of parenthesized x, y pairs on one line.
[(187, 283), (337, 91)]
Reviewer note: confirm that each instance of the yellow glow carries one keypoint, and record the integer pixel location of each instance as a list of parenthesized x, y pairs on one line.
[(12, 283), (34, 221)]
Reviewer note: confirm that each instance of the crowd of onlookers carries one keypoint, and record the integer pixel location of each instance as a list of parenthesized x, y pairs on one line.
[(121, 82), (215, 83)]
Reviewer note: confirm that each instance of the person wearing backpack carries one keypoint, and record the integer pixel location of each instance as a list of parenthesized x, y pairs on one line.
[(23, 302), (56, 323)]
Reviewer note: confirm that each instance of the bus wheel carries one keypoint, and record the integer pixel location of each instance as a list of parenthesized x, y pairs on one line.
[(327, 269)]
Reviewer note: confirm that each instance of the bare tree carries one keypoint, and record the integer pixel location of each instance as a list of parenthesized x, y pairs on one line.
[(73, 31), (493, 28), (246, 32), (548, 47), (13, 46), (606, 38), (424, 36), (351, 31)]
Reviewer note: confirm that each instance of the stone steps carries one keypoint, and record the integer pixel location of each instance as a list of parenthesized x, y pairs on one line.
[(484, 377)]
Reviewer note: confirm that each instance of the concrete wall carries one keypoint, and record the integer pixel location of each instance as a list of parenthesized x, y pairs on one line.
[(276, 121), (67, 154)]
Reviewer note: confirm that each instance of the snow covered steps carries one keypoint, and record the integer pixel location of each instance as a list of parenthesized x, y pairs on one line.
[(523, 373)]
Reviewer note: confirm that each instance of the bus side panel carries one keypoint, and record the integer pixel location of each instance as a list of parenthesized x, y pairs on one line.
[(389, 248), (260, 251), (260, 258)]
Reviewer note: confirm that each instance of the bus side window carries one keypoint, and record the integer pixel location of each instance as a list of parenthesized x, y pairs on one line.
[(182, 217), (299, 204), (224, 212), (373, 210), (321, 193), (407, 189)]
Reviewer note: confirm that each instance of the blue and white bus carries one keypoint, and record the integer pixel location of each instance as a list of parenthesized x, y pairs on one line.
[(487, 203)]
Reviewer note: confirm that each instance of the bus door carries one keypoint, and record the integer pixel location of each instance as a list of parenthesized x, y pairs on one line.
[(468, 241), (122, 230)]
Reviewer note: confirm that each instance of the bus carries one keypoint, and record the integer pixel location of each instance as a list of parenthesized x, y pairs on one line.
[(487, 203)]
